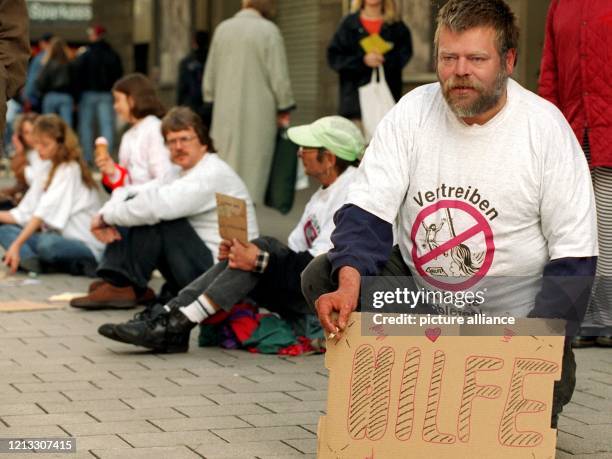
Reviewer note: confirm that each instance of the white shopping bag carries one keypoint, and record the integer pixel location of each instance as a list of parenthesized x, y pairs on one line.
[(376, 100)]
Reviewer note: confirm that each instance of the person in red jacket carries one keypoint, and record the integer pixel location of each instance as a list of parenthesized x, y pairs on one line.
[(577, 77)]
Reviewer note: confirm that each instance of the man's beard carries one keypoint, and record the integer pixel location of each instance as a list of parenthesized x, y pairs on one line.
[(486, 100)]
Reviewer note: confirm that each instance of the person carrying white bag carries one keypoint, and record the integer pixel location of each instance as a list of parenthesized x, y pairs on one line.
[(376, 100)]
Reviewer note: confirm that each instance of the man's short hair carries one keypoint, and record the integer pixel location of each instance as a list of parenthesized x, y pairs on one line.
[(461, 15), (183, 118)]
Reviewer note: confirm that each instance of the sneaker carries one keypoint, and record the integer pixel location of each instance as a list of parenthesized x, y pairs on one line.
[(107, 296), (583, 341), (167, 332), (149, 312)]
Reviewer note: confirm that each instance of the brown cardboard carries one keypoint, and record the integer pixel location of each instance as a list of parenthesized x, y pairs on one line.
[(24, 305), (439, 396), (232, 218)]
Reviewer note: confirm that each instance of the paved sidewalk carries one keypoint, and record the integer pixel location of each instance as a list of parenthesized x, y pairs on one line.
[(59, 377)]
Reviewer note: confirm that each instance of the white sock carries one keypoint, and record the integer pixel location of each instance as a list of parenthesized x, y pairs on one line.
[(199, 310)]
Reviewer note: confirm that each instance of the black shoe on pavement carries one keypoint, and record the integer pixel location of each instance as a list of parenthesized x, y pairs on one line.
[(604, 341), (583, 341), (149, 312), (167, 332)]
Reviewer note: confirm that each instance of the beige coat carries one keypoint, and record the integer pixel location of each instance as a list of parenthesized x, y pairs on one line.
[(247, 79), (14, 51)]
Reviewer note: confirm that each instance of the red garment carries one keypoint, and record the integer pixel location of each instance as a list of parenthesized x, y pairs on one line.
[(371, 25), (576, 71), (121, 181)]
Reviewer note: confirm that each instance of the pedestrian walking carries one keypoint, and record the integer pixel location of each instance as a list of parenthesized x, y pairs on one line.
[(247, 80)]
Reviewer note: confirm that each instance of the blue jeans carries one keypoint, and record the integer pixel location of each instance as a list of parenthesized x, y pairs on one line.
[(99, 104), (60, 103), (53, 250)]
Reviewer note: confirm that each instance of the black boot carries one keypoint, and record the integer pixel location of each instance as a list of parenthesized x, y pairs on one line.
[(167, 332), (148, 313)]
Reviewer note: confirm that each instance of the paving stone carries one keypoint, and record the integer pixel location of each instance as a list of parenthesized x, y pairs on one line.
[(231, 399), (295, 406), (192, 438), (144, 374), (19, 409), (47, 419), (250, 449), (130, 414), (32, 397), (97, 394), (310, 395), (78, 376), (285, 419), (88, 442), (263, 434), (211, 422), (109, 428), (177, 452), (84, 405), (187, 400), (222, 410), (305, 446), (176, 391), (29, 431), (276, 386), (54, 386)]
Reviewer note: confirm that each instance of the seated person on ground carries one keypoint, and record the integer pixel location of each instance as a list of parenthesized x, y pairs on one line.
[(26, 163), (50, 227), (264, 270), (168, 224), (143, 156)]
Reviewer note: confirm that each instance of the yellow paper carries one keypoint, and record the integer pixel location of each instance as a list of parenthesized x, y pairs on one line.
[(375, 44), (442, 396)]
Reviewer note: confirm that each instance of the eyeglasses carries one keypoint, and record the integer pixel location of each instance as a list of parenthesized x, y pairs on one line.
[(182, 140), (303, 150)]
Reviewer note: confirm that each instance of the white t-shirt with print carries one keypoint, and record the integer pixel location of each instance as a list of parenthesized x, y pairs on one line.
[(313, 232), (67, 206), (499, 199), (143, 152), (182, 194)]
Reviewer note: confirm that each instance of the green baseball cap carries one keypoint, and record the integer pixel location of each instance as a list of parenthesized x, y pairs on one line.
[(334, 133)]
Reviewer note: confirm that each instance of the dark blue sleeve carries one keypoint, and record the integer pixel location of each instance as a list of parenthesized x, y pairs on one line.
[(566, 289), (361, 240)]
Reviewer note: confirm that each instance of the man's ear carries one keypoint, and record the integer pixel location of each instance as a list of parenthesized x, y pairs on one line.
[(510, 63)]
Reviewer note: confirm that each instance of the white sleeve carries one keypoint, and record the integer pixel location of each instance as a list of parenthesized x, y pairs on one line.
[(569, 221), (55, 205), (381, 181), (25, 210), (182, 198), (158, 154)]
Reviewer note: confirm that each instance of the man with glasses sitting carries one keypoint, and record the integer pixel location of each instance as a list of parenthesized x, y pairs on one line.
[(265, 269), (168, 224)]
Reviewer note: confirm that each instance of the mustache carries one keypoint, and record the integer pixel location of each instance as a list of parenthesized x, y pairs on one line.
[(453, 83)]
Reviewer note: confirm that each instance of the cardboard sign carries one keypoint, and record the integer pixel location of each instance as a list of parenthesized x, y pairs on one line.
[(232, 214), (439, 396)]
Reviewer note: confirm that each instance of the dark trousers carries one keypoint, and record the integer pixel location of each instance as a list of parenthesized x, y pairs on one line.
[(317, 280), (172, 247), (226, 286)]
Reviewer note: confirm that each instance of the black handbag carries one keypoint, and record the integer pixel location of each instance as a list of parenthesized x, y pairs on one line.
[(280, 192)]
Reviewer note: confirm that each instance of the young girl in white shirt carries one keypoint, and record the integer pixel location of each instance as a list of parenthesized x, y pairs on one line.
[(53, 231), (143, 156)]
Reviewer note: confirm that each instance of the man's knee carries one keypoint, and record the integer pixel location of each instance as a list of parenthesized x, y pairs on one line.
[(316, 279)]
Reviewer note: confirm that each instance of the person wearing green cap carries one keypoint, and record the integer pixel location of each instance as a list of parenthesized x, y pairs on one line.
[(265, 269)]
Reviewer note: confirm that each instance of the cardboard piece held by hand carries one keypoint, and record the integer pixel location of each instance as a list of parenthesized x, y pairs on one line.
[(232, 214)]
